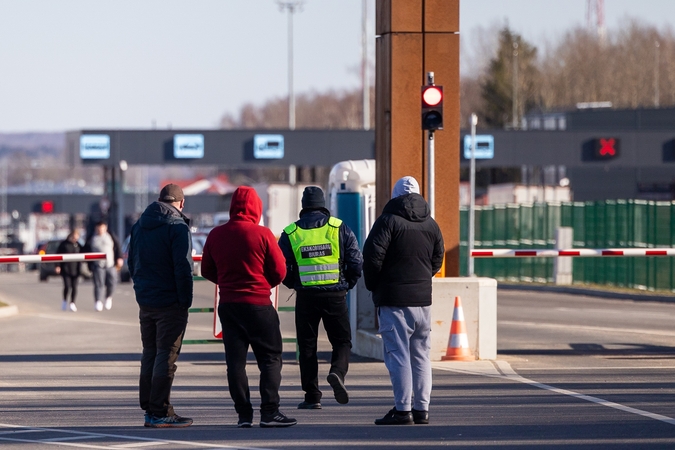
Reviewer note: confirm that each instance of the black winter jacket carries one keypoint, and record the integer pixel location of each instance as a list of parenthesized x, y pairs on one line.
[(160, 257), (351, 260), (402, 253), (70, 268)]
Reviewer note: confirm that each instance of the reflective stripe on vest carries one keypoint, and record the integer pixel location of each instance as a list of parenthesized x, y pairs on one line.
[(317, 252)]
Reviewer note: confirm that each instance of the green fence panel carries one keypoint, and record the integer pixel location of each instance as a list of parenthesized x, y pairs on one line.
[(513, 241), (603, 224), (463, 241)]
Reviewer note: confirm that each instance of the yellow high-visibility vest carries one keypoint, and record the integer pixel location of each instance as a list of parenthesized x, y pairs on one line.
[(317, 252)]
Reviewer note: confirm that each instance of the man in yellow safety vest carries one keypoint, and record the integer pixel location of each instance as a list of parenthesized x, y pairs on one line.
[(323, 261)]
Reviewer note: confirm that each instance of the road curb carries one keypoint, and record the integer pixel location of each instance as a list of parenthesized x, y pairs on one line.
[(9, 310), (589, 292)]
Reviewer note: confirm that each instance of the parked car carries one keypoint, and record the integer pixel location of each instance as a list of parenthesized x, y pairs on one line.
[(47, 270), (198, 240)]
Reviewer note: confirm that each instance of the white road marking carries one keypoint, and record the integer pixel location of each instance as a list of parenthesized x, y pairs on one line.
[(20, 431), (587, 327), (503, 370), (139, 444), (65, 438), (140, 441)]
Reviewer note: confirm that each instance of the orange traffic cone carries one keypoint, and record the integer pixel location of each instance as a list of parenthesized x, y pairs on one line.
[(458, 346)]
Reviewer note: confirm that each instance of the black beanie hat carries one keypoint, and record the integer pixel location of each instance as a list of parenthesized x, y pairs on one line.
[(312, 197)]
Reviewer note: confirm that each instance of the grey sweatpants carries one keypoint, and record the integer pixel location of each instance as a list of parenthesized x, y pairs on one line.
[(405, 336)]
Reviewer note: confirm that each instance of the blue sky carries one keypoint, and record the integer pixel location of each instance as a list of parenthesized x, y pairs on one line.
[(71, 64)]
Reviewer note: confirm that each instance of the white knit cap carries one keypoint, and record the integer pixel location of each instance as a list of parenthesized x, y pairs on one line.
[(406, 185)]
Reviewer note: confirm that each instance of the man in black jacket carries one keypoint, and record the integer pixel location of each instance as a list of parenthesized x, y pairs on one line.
[(401, 255), (160, 264), (323, 262)]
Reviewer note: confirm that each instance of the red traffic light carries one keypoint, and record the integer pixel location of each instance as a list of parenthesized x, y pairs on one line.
[(47, 207), (432, 107), (432, 95)]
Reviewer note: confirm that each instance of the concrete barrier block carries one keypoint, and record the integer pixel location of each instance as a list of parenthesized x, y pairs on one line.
[(479, 302)]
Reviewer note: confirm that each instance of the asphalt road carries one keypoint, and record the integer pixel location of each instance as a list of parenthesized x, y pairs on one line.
[(572, 372)]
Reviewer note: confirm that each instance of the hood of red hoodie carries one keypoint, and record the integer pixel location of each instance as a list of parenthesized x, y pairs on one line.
[(246, 205)]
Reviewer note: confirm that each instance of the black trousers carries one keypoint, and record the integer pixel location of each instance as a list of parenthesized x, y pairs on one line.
[(258, 326), (70, 286), (162, 332), (310, 309)]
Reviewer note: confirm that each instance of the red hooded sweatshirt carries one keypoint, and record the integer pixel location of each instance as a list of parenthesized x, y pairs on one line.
[(242, 257)]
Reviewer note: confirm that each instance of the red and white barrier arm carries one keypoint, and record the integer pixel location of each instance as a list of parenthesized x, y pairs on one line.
[(512, 253), (197, 258), (67, 257)]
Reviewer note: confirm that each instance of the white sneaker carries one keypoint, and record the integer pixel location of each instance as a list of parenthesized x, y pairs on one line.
[(98, 305), (73, 308), (64, 305), (108, 303)]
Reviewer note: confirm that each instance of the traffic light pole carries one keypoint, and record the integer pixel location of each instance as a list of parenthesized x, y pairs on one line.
[(432, 165), (432, 170)]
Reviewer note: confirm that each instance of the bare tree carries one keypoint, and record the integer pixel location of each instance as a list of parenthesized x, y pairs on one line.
[(314, 110)]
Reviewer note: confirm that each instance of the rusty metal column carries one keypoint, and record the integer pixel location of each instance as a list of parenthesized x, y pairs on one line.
[(416, 37)]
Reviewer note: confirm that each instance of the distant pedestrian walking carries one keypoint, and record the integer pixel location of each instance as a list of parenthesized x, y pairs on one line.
[(401, 255), (160, 264), (105, 271), (244, 260), (323, 262), (69, 271)]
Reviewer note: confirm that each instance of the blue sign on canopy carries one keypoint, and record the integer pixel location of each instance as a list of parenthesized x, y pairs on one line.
[(485, 146), (188, 146), (94, 146), (268, 146)]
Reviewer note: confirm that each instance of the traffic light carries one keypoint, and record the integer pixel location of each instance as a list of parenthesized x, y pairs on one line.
[(47, 207), (432, 107)]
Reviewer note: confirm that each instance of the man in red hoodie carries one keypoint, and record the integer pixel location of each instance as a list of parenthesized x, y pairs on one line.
[(244, 260)]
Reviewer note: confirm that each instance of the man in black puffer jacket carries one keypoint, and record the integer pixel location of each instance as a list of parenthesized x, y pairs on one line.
[(160, 264), (401, 254)]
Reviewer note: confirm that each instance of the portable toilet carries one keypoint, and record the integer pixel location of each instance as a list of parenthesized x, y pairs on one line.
[(351, 191)]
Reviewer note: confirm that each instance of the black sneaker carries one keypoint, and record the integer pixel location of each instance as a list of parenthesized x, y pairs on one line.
[(174, 421), (245, 421), (395, 417), (308, 405), (276, 420), (420, 417), (339, 389)]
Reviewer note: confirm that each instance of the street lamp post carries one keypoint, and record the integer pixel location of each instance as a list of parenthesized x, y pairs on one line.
[(291, 7), (515, 87), (472, 194), (656, 74), (364, 65)]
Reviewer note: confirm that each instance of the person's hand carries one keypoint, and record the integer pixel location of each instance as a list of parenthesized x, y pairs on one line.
[(57, 270), (119, 263)]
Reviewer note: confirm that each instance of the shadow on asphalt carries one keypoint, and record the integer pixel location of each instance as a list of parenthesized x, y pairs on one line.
[(590, 349), (216, 356)]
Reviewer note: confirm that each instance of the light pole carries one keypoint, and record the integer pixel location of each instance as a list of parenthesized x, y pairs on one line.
[(472, 194), (121, 229), (514, 112), (364, 65), (656, 74), (291, 7)]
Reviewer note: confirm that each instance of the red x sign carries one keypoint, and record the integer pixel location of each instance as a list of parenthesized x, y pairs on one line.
[(607, 147)]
